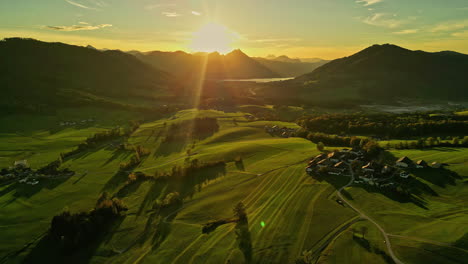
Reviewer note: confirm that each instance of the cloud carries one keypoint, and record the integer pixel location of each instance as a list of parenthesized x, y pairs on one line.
[(386, 20), (450, 26), (155, 6), (83, 23), (195, 13), (77, 27), (78, 4), (368, 2), (406, 31), (462, 34), (170, 14)]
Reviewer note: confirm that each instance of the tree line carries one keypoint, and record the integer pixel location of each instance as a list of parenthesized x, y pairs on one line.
[(386, 125)]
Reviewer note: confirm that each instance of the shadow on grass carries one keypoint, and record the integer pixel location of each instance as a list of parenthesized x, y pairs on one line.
[(22, 190), (49, 250)]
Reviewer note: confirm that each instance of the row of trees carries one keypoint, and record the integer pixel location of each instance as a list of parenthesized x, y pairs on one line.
[(75, 230), (388, 125), (429, 143)]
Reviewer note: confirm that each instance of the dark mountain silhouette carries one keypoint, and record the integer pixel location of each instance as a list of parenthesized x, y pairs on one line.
[(234, 65), (34, 73), (383, 73), (288, 67)]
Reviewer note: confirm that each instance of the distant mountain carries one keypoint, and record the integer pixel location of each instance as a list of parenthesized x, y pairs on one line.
[(383, 73), (35, 73), (288, 67), (234, 65)]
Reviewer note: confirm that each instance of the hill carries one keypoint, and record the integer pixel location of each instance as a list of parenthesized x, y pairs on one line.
[(234, 65), (380, 73), (389, 71), (36, 75)]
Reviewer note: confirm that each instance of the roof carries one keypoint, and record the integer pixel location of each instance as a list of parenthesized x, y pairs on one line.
[(421, 162), (370, 165), (333, 155), (405, 160), (324, 161), (340, 165)]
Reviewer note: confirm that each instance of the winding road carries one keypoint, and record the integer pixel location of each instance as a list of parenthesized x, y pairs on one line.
[(364, 216)]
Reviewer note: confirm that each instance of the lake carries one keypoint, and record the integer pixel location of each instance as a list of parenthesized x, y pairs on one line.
[(263, 80)]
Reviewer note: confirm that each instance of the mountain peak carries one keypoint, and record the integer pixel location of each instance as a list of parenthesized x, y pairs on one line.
[(237, 53)]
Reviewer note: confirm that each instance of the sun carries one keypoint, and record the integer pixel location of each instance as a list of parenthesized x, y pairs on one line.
[(213, 37)]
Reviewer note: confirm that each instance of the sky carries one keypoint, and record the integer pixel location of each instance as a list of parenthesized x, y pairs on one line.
[(326, 29)]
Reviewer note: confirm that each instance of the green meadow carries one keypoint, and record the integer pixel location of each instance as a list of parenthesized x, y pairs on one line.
[(290, 214)]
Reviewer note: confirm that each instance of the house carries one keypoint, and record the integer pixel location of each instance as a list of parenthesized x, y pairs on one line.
[(420, 164), (341, 166), (386, 169), (309, 169), (436, 165), (334, 156), (21, 164), (365, 178), (324, 163), (404, 175), (404, 162), (369, 167), (335, 171)]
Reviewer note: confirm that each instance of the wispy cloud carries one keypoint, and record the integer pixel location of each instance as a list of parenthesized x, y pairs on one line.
[(78, 4), (77, 27), (171, 14), (155, 6), (462, 34), (386, 20), (195, 13), (450, 26), (406, 31), (368, 2)]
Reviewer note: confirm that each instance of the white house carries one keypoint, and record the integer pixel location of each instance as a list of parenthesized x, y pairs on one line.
[(21, 163)]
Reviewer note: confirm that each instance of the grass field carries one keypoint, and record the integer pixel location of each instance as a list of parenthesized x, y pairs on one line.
[(288, 211)]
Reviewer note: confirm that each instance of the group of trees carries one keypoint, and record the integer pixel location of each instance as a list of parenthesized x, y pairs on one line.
[(76, 230), (386, 125), (430, 142)]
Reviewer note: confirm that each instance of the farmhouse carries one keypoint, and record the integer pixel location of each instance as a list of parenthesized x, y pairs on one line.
[(324, 163), (334, 156), (341, 166), (420, 164), (404, 174), (436, 165), (404, 162), (369, 167), (21, 164)]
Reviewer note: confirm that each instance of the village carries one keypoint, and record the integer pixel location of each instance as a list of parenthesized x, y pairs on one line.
[(22, 173), (282, 132), (346, 162)]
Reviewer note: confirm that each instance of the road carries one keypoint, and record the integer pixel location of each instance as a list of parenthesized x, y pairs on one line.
[(363, 215)]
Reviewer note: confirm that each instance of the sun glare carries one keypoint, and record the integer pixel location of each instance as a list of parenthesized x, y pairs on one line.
[(213, 37)]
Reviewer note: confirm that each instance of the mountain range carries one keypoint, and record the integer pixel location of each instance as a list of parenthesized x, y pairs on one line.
[(35, 74), (381, 73)]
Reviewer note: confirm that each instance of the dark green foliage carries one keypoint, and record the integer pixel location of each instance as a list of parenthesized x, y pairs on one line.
[(385, 125), (73, 231)]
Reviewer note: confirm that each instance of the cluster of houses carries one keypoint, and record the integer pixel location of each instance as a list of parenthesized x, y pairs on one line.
[(282, 132), (366, 171), (21, 172), (73, 123), (335, 163)]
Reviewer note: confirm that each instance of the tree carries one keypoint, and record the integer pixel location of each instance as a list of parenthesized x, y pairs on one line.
[(430, 141), (240, 212), (355, 141), (320, 146)]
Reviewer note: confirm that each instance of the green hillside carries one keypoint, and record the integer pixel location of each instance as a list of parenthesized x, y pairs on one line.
[(290, 214)]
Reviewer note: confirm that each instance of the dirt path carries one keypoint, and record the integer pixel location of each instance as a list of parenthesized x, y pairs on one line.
[(363, 215)]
